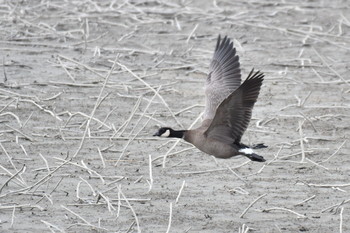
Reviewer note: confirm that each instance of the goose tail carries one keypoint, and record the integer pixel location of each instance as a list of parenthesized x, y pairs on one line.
[(249, 153)]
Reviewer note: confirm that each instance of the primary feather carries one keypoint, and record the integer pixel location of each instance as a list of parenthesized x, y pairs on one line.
[(224, 76)]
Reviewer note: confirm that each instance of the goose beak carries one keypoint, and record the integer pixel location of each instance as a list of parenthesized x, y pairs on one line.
[(156, 134)]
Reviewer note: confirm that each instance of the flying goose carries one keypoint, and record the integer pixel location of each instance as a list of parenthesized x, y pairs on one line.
[(228, 107)]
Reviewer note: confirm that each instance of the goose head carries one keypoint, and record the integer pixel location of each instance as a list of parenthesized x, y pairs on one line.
[(170, 133), (164, 132)]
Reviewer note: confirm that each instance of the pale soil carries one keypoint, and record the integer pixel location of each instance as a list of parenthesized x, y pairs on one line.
[(303, 48)]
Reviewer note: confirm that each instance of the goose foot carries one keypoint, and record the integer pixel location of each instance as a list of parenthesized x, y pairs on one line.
[(259, 146), (255, 157)]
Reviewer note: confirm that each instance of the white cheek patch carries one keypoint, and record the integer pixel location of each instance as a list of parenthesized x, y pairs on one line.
[(166, 134), (247, 151)]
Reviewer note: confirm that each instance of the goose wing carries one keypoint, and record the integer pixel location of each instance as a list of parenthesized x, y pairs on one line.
[(233, 114), (224, 76)]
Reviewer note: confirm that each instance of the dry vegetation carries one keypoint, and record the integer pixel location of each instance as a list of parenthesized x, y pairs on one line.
[(84, 85)]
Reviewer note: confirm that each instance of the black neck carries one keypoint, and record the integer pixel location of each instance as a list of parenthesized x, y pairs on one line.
[(177, 133)]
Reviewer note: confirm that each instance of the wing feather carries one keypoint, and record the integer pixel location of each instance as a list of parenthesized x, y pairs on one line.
[(224, 76), (234, 113)]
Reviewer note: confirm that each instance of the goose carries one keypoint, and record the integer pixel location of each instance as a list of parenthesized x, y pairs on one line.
[(228, 107)]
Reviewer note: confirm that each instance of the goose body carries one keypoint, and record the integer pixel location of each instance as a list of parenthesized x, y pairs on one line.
[(228, 107)]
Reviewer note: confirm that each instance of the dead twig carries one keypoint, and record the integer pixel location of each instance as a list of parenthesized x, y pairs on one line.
[(180, 191), (84, 220), (285, 209), (251, 204), (335, 152), (306, 200), (170, 217), (302, 142), (150, 173), (152, 89), (132, 209), (13, 176), (87, 127), (341, 220)]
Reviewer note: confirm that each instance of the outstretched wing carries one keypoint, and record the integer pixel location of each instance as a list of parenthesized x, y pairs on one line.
[(224, 76), (234, 113)]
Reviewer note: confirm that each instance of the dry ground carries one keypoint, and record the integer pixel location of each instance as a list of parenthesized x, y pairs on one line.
[(84, 85)]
